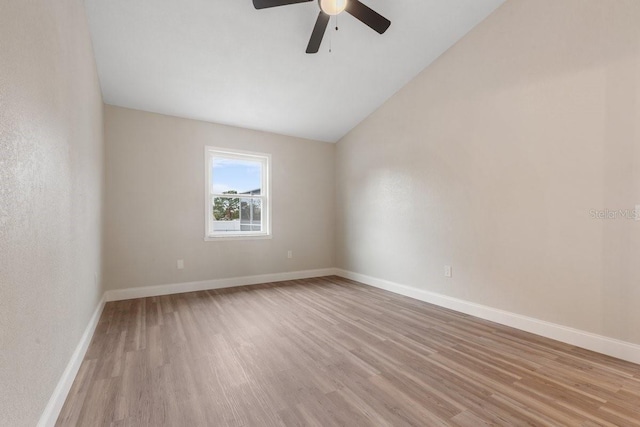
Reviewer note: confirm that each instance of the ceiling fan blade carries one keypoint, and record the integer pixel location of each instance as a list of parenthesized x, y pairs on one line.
[(368, 16), (263, 4), (318, 33)]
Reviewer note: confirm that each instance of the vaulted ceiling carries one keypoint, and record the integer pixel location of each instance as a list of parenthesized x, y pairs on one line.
[(224, 61)]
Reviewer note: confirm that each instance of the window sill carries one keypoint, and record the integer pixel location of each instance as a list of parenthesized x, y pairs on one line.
[(238, 237)]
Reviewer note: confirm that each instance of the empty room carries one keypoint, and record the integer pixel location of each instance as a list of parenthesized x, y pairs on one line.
[(319, 213)]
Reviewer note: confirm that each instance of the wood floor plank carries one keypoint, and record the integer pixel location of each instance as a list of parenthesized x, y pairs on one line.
[(330, 351)]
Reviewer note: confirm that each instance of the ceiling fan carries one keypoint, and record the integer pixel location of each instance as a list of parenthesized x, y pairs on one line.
[(329, 8)]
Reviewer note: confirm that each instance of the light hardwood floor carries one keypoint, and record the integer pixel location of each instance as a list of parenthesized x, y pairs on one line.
[(329, 351)]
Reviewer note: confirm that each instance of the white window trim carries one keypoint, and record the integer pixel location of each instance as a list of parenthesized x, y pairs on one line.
[(265, 193)]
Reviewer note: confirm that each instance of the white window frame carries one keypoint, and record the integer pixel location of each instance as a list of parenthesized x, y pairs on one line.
[(265, 194)]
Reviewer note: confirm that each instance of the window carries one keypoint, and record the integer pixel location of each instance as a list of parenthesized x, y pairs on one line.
[(237, 194)]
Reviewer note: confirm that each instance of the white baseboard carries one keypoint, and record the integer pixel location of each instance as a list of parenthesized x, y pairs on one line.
[(52, 410), (176, 288), (598, 343)]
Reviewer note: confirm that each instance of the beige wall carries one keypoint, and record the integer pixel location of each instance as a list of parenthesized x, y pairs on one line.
[(154, 211), (491, 159), (50, 198)]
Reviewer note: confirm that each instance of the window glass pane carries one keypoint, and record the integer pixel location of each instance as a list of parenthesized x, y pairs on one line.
[(232, 176), (250, 215), (226, 215), (232, 214)]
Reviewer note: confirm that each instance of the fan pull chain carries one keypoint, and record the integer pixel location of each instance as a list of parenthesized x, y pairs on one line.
[(330, 39)]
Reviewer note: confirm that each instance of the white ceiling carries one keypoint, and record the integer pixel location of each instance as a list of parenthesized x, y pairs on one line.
[(225, 62)]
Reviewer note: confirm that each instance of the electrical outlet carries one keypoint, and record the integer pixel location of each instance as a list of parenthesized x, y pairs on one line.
[(180, 264), (289, 254), (447, 271)]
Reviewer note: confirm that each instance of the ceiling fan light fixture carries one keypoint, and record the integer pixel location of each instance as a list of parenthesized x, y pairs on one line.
[(328, 8), (332, 7)]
